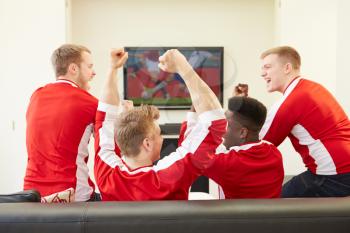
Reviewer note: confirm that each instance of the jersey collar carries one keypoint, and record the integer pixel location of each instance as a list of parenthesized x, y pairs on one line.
[(67, 81), (297, 77)]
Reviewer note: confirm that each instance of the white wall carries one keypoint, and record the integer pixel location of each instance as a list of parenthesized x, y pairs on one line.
[(30, 30), (311, 27), (343, 52), (242, 27), (319, 30)]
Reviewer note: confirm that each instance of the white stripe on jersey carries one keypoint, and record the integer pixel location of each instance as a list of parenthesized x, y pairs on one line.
[(107, 145), (221, 149), (272, 112), (83, 190), (194, 139), (112, 110), (248, 146), (316, 150), (191, 118), (189, 145), (66, 81), (221, 193)]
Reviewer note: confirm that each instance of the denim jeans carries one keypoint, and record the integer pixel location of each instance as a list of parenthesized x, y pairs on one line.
[(308, 184)]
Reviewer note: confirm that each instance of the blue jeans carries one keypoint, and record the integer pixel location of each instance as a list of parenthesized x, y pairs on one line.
[(308, 184)]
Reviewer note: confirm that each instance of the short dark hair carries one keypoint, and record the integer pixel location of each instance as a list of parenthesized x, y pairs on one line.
[(248, 111)]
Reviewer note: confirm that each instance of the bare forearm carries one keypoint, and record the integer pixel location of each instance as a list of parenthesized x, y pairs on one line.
[(110, 94), (203, 98)]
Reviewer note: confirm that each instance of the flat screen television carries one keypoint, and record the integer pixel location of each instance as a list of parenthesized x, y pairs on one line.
[(145, 83)]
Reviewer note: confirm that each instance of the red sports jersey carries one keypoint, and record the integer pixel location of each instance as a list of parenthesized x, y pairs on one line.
[(316, 125), (60, 121), (252, 170), (173, 175)]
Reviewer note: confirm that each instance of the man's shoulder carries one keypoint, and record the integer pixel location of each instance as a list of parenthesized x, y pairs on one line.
[(305, 92), (259, 147), (305, 84), (77, 93), (296, 95), (308, 81), (271, 147), (69, 92), (88, 96)]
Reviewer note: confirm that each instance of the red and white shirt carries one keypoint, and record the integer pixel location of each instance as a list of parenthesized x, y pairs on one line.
[(60, 119), (173, 175), (252, 170), (317, 126)]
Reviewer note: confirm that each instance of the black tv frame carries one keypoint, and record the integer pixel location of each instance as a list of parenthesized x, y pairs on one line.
[(219, 49)]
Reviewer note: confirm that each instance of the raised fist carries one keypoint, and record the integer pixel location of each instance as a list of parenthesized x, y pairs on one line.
[(241, 90)]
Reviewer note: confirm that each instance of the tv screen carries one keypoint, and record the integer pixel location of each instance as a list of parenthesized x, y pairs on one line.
[(145, 83)]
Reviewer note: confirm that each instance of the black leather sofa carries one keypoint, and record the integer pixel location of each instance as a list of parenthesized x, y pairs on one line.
[(23, 196), (318, 215)]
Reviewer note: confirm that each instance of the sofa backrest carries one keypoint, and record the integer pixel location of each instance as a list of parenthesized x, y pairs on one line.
[(213, 216)]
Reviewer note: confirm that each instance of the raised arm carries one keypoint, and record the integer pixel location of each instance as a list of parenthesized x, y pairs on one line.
[(107, 152), (110, 94), (203, 98)]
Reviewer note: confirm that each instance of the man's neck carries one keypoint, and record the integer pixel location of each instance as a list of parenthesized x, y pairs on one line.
[(290, 79), (140, 160), (69, 78), (252, 138)]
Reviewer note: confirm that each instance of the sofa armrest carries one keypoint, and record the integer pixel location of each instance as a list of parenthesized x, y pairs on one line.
[(23, 196)]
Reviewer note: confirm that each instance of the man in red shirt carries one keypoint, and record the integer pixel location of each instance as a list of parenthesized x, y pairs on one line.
[(60, 119), (130, 174), (316, 124), (243, 166)]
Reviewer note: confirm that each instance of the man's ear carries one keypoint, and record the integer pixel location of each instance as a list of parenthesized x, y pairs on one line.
[(147, 144), (243, 133), (288, 67), (73, 68)]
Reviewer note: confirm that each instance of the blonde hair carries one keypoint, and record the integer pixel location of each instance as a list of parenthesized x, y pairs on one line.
[(66, 54), (287, 53), (133, 126)]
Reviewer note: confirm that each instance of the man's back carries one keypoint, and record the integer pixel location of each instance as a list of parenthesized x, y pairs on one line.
[(170, 179), (60, 120), (316, 124), (252, 170)]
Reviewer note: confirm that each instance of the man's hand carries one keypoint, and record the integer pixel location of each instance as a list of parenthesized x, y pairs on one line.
[(118, 58), (241, 90), (203, 98), (173, 61)]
